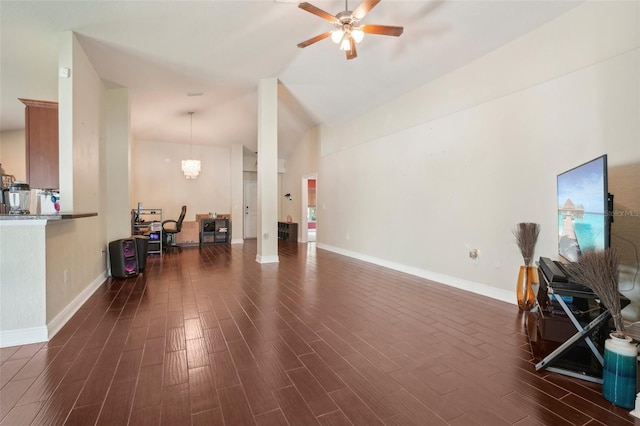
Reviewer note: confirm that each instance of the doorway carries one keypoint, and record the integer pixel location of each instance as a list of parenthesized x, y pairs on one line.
[(308, 209), (311, 210), (250, 210)]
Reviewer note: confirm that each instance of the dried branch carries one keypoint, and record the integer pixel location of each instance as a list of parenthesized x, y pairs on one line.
[(526, 237), (598, 270)]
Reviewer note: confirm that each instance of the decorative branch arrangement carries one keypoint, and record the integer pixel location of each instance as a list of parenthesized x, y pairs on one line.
[(599, 271), (526, 237)]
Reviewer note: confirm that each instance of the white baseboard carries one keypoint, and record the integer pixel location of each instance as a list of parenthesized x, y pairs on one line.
[(23, 336), (471, 286), (27, 336), (65, 315), (237, 241), (267, 259)]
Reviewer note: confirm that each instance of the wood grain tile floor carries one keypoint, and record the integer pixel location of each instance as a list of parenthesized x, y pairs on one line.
[(207, 336)]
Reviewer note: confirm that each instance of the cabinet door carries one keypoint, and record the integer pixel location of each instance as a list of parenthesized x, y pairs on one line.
[(41, 142)]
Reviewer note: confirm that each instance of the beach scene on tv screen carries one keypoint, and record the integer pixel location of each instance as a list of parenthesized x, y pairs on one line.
[(581, 210)]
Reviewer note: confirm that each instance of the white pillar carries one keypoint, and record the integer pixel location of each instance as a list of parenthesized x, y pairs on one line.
[(267, 171), (118, 164)]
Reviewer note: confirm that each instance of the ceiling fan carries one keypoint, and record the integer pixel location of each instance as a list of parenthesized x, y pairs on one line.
[(348, 30)]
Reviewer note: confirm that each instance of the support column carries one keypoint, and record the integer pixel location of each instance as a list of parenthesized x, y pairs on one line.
[(267, 171), (118, 164)]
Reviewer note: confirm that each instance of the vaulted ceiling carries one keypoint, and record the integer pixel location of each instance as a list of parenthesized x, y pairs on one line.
[(166, 51)]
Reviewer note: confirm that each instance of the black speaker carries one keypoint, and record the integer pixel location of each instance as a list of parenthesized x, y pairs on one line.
[(124, 258)]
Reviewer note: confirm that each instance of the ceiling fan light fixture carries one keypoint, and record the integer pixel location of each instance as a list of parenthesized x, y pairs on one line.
[(345, 44), (337, 35), (357, 34)]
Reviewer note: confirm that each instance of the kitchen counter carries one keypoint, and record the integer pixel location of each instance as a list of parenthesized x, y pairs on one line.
[(39, 288), (57, 216)]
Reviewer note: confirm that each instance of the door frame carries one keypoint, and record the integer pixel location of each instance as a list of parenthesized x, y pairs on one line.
[(304, 205), (246, 222)]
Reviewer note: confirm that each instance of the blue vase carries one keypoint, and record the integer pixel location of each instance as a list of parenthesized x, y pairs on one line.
[(620, 369)]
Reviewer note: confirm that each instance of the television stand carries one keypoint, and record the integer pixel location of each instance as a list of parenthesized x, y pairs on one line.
[(568, 331), (582, 334)]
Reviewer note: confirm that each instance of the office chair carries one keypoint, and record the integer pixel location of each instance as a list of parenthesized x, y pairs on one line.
[(171, 227)]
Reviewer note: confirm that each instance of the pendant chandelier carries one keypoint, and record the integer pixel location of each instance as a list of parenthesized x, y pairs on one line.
[(191, 168)]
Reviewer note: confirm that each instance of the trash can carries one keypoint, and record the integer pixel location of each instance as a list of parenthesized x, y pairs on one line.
[(142, 247)]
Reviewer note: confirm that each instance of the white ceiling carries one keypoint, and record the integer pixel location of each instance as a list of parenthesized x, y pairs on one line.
[(163, 50)]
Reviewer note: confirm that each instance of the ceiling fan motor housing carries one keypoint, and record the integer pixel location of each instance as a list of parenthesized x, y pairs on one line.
[(346, 17), (346, 21)]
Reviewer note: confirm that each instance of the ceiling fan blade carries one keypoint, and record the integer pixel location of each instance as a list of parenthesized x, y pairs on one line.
[(352, 53), (364, 8), (314, 39), (317, 11), (387, 30)]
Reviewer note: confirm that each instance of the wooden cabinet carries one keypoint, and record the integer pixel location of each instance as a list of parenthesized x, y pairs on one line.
[(41, 143), (288, 231)]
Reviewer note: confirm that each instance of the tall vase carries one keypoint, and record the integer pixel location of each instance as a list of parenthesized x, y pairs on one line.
[(527, 276), (619, 373)]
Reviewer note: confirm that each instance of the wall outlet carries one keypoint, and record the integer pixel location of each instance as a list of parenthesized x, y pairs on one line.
[(66, 276), (473, 255)]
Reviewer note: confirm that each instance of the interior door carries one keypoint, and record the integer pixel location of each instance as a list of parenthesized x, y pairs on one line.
[(250, 210)]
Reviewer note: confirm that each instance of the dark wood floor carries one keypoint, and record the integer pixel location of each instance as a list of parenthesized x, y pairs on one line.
[(207, 336)]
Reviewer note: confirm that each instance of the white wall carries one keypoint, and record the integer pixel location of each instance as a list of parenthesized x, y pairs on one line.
[(302, 162), (456, 164), (158, 181), (77, 246), (236, 194), (12, 154)]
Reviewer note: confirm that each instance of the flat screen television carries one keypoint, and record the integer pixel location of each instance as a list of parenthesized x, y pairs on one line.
[(583, 206)]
